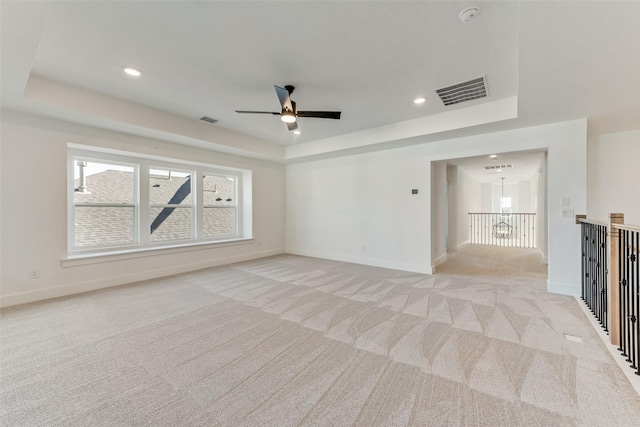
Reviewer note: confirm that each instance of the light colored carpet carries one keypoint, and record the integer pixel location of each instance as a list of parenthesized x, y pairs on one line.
[(289, 340)]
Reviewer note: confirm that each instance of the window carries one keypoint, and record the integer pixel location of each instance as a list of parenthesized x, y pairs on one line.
[(170, 205), (219, 202), (122, 201), (104, 208)]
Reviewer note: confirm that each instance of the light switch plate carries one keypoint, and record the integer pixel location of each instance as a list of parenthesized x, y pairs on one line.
[(568, 213)]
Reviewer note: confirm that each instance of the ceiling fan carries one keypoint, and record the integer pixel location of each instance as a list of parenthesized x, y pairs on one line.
[(289, 113)]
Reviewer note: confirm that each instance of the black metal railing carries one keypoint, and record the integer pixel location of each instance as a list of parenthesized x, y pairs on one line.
[(503, 229), (629, 267), (594, 269)]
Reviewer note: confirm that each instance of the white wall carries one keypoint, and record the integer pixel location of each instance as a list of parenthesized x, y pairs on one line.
[(612, 182), (438, 213), (486, 198), (511, 189), (452, 201), (34, 211), (541, 212), (520, 193), (360, 209), (469, 200), (336, 206), (524, 197)]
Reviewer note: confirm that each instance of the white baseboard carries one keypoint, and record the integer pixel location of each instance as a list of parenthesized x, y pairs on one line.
[(437, 262), (76, 288), (613, 349), (461, 245), (414, 268), (563, 289), (544, 258)]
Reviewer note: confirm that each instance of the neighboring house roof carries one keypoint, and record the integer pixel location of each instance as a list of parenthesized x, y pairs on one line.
[(114, 225)]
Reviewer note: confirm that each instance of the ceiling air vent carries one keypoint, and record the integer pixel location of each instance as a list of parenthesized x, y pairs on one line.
[(208, 119), (465, 91), (492, 167)]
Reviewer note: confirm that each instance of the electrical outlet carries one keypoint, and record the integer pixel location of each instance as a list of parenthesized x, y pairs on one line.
[(34, 273)]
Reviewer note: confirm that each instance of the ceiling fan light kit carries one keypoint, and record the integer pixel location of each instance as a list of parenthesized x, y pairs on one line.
[(288, 117), (289, 113)]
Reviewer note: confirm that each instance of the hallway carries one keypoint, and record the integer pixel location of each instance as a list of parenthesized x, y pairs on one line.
[(495, 262)]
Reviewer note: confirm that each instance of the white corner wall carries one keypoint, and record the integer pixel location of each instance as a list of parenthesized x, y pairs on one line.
[(469, 200), (360, 208), (452, 203), (465, 196), (438, 213), (542, 211), (34, 211), (612, 182)]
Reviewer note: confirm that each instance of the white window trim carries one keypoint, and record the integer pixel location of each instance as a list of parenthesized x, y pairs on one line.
[(237, 223), (74, 260), (142, 163), (146, 237), (90, 157)]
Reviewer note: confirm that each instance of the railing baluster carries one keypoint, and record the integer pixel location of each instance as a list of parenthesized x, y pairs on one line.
[(502, 229), (637, 287), (605, 279), (632, 309), (626, 294), (623, 300), (583, 227), (593, 268)]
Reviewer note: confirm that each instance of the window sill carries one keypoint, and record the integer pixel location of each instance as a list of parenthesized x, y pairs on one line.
[(73, 260)]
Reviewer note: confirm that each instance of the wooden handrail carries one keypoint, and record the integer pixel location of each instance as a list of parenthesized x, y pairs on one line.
[(626, 227), (581, 218)]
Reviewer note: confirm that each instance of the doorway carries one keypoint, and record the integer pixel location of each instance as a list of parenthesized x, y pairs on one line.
[(478, 187)]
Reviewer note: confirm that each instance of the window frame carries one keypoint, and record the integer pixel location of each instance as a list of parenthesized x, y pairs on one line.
[(142, 221), (192, 205), (237, 191), (71, 239)]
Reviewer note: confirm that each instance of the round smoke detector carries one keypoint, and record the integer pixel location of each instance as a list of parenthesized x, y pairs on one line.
[(469, 14)]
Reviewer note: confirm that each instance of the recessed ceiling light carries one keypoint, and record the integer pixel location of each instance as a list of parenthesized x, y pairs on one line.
[(133, 72), (493, 156), (419, 100), (297, 131), (499, 170)]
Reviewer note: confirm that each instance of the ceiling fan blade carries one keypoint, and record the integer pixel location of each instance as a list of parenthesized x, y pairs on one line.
[(292, 126), (320, 114), (257, 112), (283, 97)]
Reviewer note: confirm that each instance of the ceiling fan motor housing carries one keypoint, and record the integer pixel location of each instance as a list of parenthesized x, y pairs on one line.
[(289, 112)]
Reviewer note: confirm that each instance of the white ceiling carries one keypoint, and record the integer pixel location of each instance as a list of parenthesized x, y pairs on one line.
[(525, 166), (544, 61)]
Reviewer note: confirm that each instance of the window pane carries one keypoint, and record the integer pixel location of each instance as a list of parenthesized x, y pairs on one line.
[(103, 183), (218, 221), (169, 187), (103, 226), (170, 223), (219, 190)]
